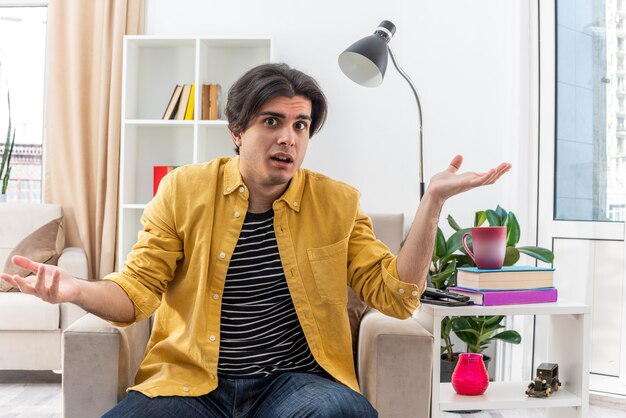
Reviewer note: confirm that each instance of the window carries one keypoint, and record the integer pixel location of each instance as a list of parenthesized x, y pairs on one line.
[(590, 110), (617, 212), (22, 76)]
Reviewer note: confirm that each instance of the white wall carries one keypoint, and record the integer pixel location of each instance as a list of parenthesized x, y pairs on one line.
[(470, 63)]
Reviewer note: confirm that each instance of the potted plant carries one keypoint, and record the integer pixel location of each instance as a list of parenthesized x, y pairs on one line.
[(476, 332), (5, 165)]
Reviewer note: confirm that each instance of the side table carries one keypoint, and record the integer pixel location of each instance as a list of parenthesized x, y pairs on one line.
[(569, 346)]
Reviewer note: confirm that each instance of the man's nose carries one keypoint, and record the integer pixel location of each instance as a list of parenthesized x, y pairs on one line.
[(287, 137)]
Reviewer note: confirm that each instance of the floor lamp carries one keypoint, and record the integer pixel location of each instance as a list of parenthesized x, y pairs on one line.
[(365, 62)]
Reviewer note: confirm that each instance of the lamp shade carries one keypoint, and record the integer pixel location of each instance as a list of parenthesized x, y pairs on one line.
[(365, 61)]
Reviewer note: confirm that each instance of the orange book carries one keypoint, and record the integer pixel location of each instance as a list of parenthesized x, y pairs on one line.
[(206, 101), (215, 99)]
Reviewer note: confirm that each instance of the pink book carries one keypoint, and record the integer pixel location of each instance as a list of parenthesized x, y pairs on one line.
[(508, 297)]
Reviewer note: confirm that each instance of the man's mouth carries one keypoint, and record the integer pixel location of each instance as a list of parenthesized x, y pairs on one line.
[(282, 158)]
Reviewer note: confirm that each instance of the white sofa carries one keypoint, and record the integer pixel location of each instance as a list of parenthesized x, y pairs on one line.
[(30, 329)]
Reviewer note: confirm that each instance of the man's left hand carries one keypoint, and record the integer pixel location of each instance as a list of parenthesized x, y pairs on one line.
[(449, 183)]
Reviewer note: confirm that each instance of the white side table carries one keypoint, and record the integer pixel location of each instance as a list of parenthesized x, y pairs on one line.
[(569, 346)]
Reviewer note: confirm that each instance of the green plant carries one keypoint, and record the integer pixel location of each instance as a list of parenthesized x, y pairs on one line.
[(5, 166), (479, 331), (446, 331)]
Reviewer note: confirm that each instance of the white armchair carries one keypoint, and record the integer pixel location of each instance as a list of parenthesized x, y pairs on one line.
[(30, 329), (394, 356)]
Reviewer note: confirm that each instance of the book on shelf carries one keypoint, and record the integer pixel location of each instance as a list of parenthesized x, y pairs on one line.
[(215, 100), (211, 101), (506, 278), (190, 103), (160, 171), (507, 297), (172, 105), (206, 101), (184, 99)]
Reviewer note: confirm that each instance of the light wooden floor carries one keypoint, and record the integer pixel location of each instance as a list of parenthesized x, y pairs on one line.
[(30, 394), (38, 394)]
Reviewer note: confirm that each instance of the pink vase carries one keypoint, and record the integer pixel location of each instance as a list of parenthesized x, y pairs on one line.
[(470, 375)]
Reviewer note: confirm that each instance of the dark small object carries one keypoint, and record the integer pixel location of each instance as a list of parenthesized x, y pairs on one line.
[(546, 382), (443, 297)]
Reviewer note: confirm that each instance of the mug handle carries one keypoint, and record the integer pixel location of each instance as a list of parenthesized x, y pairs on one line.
[(469, 252)]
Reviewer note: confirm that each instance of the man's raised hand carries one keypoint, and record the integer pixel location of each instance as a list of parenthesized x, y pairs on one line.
[(449, 183), (50, 283)]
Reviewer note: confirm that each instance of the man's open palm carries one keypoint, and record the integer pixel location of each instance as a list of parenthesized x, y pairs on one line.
[(448, 183), (50, 283)]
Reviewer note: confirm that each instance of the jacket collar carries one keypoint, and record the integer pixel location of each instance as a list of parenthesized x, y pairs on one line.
[(232, 176), (292, 196)]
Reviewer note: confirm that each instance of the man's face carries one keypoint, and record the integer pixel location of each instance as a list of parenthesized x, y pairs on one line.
[(273, 146)]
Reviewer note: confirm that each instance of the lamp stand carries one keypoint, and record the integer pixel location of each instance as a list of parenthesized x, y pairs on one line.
[(419, 112)]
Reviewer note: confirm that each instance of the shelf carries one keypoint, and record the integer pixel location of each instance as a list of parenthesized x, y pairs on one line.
[(215, 42), (157, 123), (138, 206), (504, 395), (218, 122), (164, 123), (247, 43), (158, 42), (561, 307)]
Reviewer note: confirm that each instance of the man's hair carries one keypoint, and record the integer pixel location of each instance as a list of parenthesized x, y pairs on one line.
[(265, 82)]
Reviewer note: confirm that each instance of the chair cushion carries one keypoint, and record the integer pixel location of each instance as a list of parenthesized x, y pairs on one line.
[(44, 245), (19, 311), (356, 310)]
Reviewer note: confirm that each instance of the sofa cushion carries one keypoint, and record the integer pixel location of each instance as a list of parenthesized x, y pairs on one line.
[(18, 220), (43, 245), (19, 311)]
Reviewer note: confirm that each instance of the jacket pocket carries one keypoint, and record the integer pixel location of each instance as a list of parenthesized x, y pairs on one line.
[(329, 265)]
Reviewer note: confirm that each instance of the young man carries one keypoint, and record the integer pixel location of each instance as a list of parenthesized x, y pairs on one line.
[(245, 261)]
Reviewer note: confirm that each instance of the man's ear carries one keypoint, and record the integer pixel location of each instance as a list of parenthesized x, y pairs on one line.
[(236, 138)]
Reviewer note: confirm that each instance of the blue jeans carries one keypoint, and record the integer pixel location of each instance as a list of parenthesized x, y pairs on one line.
[(281, 396)]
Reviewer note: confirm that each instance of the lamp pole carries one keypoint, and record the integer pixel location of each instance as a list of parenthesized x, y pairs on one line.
[(419, 114)]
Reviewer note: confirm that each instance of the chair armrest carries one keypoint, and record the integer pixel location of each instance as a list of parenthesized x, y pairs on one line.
[(74, 261), (395, 365), (70, 313), (100, 361)]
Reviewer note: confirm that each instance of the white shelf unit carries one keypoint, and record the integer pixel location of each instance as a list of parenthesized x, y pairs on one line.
[(152, 67), (569, 347)]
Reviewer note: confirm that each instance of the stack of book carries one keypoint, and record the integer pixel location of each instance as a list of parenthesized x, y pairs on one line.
[(181, 103), (211, 101), (506, 286)]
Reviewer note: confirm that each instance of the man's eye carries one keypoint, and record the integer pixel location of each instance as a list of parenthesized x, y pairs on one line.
[(301, 126), (270, 121)]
